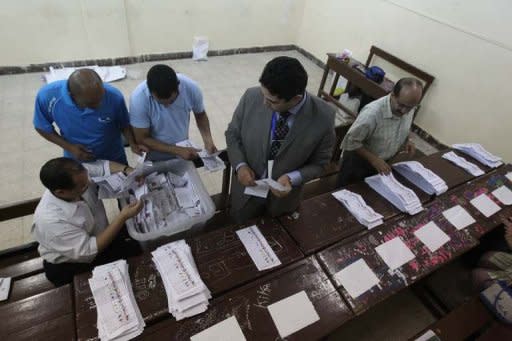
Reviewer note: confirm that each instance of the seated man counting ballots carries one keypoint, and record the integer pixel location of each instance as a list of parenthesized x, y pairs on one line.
[(380, 132), (70, 222)]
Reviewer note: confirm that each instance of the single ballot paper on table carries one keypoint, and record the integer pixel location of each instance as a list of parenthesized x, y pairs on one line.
[(229, 329), (458, 217), (432, 236), (395, 253), (357, 278), (485, 205), (258, 248), (503, 194), (5, 286), (293, 313)]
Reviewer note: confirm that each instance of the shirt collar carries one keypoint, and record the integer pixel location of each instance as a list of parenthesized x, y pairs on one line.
[(68, 207), (299, 105), (387, 109)]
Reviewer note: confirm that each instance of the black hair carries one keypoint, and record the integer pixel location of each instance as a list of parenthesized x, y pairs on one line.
[(162, 81), (284, 77), (58, 173), (406, 82)]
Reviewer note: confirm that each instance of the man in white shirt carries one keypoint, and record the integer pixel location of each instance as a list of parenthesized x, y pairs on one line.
[(70, 222)]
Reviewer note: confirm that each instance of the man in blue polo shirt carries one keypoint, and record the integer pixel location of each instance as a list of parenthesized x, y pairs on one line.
[(90, 116), (160, 114)]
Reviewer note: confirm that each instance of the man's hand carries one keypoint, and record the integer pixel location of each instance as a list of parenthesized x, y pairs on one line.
[(410, 148), (138, 148), (286, 182), (131, 210), (380, 165), (508, 230), (81, 152), (210, 147), (187, 153), (246, 176)]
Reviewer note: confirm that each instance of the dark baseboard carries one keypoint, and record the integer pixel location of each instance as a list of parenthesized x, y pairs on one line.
[(10, 70)]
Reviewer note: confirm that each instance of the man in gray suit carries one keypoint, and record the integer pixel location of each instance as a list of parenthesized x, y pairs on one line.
[(278, 121)]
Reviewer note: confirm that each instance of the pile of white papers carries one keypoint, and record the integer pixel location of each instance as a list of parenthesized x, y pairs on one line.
[(422, 177), (469, 167), (478, 152), (106, 73), (212, 162), (187, 295), (165, 196), (258, 248), (356, 205), (400, 196), (119, 317)]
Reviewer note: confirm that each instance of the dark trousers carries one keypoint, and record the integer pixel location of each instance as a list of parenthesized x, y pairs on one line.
[(62, 273), (353, 169)]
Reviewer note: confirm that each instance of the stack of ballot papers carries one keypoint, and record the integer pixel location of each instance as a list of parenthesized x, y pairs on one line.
[(400, 196), (469, 167), (478, 152), (187, 295), (422, 177), (212, 162), (119, 317), (164, 196), (356, 205)]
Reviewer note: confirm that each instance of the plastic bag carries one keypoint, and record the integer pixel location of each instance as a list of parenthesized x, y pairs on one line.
[(200, 48)]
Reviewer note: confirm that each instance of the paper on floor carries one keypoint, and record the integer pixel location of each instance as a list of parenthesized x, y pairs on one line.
[(293, 313)]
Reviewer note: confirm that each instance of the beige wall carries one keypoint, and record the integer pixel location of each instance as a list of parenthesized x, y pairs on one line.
[(40, 31), (470, 55)]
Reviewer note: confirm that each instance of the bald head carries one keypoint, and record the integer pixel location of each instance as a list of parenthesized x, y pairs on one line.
[(86, 88), (406, 95)]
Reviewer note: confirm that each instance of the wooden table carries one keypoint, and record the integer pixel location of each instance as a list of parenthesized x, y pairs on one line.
[(222, 261), (249, 306), (45, 316), (348, 251)]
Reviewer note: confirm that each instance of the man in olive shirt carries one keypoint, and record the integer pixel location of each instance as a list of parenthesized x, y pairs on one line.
[(380, 132)]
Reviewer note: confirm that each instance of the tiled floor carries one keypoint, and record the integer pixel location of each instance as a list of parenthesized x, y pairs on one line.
[(223, 80)]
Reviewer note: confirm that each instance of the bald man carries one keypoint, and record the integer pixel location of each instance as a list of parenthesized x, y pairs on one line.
[(90, 115), (380, 132)]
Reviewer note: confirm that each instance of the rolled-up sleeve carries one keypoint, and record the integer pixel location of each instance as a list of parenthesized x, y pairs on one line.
[(362, 127)]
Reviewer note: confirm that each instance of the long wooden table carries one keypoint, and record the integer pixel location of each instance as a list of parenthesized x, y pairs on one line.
[(328, 235)]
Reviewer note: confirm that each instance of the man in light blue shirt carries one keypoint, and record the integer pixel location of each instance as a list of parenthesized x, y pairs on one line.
[(90, 116), (160, 114)]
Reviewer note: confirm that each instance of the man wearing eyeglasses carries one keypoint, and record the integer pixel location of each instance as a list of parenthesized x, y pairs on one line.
[(380, 132), (160, 114)]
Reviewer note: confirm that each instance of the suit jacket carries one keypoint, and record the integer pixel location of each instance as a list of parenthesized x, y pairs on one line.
[(307, 147)]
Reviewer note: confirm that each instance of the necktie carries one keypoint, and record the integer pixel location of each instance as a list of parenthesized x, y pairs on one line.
[(280, 131)]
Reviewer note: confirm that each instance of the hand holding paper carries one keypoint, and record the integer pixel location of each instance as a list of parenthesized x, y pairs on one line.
[(281, 187)]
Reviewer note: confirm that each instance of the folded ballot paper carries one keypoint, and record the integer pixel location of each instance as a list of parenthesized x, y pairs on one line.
[(478, 152), (469, 167), (212, 162), (356, 205), (400, 196), (187, 295), (118, 185), (119, 317), (422, 177)]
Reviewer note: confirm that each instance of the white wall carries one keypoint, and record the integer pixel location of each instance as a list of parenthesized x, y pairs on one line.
[(470, 56), (40, 31)]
